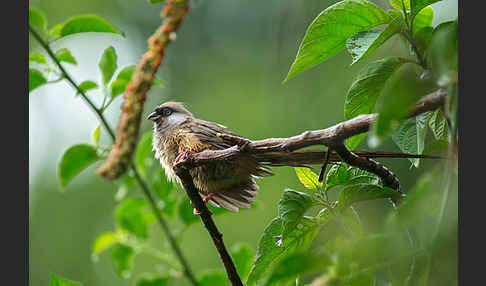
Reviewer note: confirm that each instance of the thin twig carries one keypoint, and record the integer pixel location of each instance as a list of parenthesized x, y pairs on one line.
[(163, 223)]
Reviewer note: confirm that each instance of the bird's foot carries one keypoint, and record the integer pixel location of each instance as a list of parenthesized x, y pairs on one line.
[(182, 155), (208, 197)]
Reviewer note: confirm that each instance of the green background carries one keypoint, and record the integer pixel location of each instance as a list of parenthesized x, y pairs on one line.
[(227, 65)]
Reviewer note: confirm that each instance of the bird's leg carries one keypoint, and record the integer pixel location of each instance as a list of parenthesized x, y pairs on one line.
[(183, 154)]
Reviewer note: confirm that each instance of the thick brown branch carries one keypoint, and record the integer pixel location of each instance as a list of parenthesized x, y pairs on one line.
[(206, 218)]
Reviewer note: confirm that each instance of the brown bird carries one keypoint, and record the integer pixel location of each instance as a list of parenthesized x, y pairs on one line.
[(226, 183)]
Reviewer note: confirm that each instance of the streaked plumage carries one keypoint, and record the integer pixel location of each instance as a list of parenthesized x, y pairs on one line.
[(231, 181)]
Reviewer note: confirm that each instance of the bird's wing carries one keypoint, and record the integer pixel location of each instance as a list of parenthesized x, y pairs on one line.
[(207, 132)]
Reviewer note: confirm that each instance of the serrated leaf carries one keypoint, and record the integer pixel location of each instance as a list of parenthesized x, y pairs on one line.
[(328, 33), (297, 264), (308, 178), (103, 241), (154, 281), (143, 156), (59, 281), (364, 43), (122, 256), (36, 79), (37, 18), (107, 64), (214, 277), (439, 126), (365, 90), (96, 135), (131, 216), (37, 58), (362, 192), (87, 85), (342, 174), (242, 255), (292, 207), (442, 55), (64, 55), (272, 247), (397, 99), (87, 23), (74, 160)]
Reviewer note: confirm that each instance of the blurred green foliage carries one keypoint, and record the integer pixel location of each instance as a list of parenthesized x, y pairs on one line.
[(228, 66)]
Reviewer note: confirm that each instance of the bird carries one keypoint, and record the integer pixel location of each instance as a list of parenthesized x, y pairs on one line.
[(228, 183)]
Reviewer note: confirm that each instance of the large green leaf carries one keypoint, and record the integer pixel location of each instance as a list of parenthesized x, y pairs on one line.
[(328, 33), (74, 160), (423, 19), (291, 209), (59, 281), (130, 215), (442, 53), (364, 43), (272, 247), (297, 264), (242, 255), (107, 64), (342, 174), (365, 90), (308, 178), (84, 24), (416, 6), (36, 79), (153, 281), (37, 18), (362, 192), (103, 241), (122, 256), (64, 55), (410, 136)]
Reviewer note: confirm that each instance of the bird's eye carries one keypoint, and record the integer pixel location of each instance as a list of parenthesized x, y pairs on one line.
[(166, 111)]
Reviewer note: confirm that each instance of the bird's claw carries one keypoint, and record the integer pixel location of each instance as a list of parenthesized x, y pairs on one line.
[(182, 156)]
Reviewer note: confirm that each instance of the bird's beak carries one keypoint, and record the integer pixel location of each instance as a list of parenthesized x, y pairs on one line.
[(153, 116)]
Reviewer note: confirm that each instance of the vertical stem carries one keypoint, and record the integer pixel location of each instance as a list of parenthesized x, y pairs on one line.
[(162, 222)]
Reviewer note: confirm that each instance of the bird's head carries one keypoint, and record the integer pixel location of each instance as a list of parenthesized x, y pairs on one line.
[(169, 115)]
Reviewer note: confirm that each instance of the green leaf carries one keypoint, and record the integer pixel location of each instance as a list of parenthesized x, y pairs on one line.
[(423, 19), (107, 64), (59, 281), (272, 247), (144, 159), (88, 85), (439, 126), (36, 79), (364, 43), (365, 90), (154, 281), (37, 58), (158, 82), (398, 4), (442, 53), (165, 192), (64, 55), (37, 18), (410, 136), (296, 265), (86, 23), (242, 255), (328, 33), (362, 192), (423, 38), (342, 174), (96, 135), (397, 99), (122, 256), (103, 241), (119, 85), (308, 178), (292, 207), (131, 216), (416, 6), (74, 160), (55, 31), (214, 277)]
